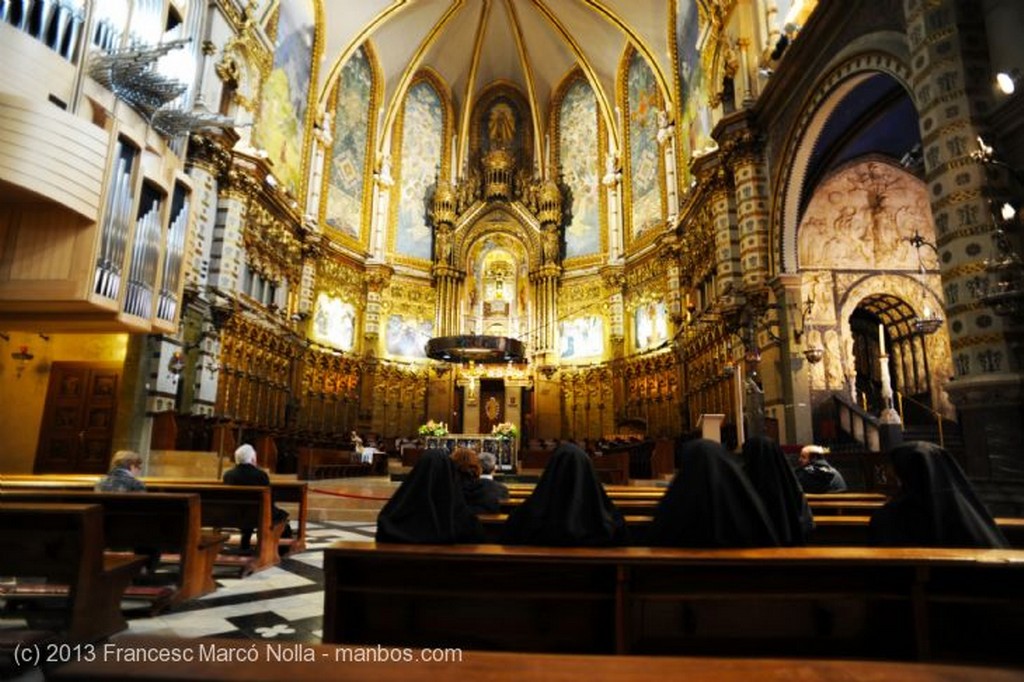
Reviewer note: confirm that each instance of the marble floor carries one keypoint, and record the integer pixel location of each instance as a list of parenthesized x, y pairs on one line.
[(282, 603)]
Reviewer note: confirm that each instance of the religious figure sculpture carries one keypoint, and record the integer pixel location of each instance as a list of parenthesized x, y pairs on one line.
[(501, 126), (551, 245), (442, 245)]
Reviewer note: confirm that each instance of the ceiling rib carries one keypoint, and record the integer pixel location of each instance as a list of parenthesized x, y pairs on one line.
[(361, 37), (412, 67), (467, 101), (588, 69), (531, 90)]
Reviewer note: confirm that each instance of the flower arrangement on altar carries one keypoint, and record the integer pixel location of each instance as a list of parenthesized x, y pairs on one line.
[(433, 428), (505, 430)]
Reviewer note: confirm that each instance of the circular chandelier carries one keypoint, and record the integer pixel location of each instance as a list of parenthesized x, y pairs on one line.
[(476, 348)]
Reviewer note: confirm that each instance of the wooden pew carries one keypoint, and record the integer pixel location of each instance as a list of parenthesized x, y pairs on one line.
[(165, 522), (289, 493), (64, 544), (829, 531), (236, 507), (284, 491), (331, 662), (903, 603), (646, 504)]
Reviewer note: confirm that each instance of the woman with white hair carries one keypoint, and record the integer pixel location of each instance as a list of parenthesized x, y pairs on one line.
[(246, 472)]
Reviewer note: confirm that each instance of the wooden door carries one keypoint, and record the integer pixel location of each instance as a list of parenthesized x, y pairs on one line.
[(78, 419)]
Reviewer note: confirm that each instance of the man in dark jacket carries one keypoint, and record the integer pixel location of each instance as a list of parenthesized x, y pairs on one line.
[(815, 474), (246, 472)]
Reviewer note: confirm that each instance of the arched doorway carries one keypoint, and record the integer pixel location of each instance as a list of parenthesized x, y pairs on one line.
[(884, 324)]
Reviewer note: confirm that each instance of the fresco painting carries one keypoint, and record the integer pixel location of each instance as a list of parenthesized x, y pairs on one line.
[(650, 325), (334, 322), (422, 146), (351, 146), (577, 141), (285, 97), (582, 337), (407, 337), (644, 152)]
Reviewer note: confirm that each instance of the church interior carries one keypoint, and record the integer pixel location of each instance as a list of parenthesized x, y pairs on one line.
[(297, 223)]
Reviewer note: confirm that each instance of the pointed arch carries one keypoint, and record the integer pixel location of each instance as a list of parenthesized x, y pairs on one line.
[(421, 138), (346, 199), (576, 134), (643, 164)]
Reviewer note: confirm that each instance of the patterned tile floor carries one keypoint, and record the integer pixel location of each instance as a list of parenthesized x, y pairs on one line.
[(283, 603)]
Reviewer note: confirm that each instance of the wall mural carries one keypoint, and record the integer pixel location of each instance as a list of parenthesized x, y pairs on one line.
[(348, 156), (650, 325), (582, 337), (862, 218), (407, 336), (578, 141), (644, 154), (334, 322), (695, 117), (422, 146), (285, 100)]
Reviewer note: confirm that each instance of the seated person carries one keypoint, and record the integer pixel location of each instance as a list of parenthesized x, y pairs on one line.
[(488, 463), (815, 474), (246, 472), (936, 505), (125, 467), (710, 503), (569, 507), (483, 495), (769, 472), (429, 507)]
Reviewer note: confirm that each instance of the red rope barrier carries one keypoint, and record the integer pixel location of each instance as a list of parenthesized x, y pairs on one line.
[(350, 495)]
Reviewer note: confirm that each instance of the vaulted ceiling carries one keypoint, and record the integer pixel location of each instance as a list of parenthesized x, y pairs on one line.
[(530, 44)]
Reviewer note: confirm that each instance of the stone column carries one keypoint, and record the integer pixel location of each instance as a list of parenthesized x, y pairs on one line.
[(952, 85), (795, 370), (727, 252), (752, 212)]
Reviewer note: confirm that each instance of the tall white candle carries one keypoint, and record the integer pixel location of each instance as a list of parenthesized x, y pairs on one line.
[(881, 339)]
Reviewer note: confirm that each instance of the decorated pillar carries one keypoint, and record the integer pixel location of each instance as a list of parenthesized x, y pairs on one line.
[(726, 245), (667, 139), (612, 180), (951, 77), (447, 277), (751, 210)]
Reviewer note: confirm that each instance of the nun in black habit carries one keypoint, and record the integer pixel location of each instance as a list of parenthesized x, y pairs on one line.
[(710, 503), (783, 498), (567, 508), (935, 506), (429, 506)]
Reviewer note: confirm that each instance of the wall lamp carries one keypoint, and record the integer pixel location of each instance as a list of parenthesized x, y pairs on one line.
[(805, 312)]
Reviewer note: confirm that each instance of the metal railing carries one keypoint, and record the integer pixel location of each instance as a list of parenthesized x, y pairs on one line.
[(900, 398)]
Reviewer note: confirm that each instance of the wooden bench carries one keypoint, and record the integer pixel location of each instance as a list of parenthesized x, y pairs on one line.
[(332, 662), (646, 504), (164, 522), (63, 544), (236, 507), (829, 531), (287, 492), (835, 602)]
